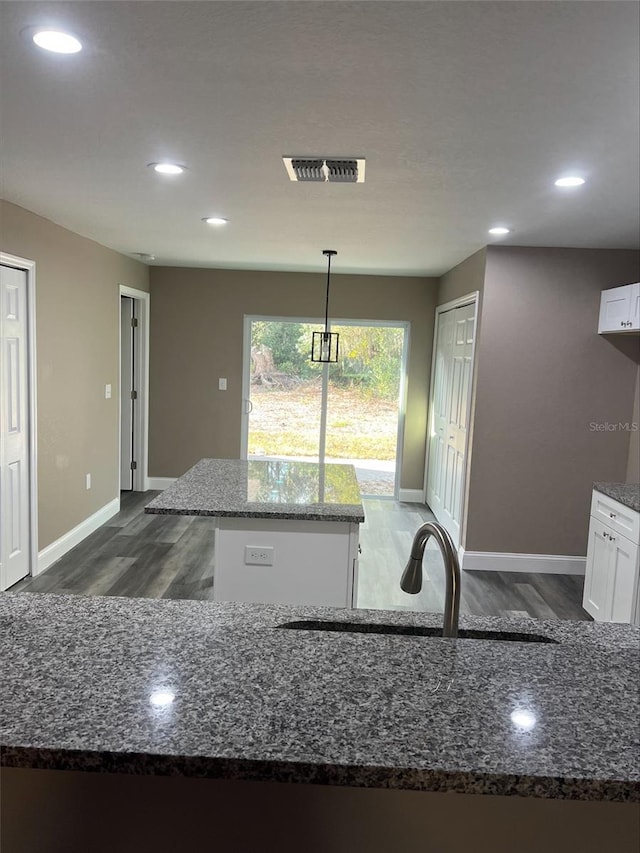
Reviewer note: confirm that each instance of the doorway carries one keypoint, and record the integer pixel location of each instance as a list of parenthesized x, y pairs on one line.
[(18, 483), (134, 384), (450, 413), (349, 412)]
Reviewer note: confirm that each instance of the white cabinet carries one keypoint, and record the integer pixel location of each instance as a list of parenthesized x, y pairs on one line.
[(620, 309), (311, 563), (611, 585)]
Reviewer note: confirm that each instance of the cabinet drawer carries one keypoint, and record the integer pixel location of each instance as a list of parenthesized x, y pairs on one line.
[(616, 516)]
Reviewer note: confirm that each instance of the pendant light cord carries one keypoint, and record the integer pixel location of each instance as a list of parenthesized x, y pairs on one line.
[(328, 253), (326, 310)]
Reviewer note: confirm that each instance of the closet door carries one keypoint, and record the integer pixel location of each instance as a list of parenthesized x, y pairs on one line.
[(440, 405), (15, 528), (449, 417)]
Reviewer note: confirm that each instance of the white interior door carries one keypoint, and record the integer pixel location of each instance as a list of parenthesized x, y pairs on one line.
[(127, 391), (14, 414), (450, 414), (439, 412)]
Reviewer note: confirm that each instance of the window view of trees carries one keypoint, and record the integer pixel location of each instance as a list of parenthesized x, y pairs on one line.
[(369, 356), (362, 401)]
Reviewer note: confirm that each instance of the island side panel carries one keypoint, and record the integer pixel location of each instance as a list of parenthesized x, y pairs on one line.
[(49, 811), (313, 562), (354, 551)]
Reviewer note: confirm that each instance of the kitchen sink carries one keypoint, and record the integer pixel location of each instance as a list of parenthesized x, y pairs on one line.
[(412, 631)]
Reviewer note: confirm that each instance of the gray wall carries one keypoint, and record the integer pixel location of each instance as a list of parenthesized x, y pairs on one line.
[(77, 334), (196, 337), (633, 461), (464, 278), (544, 376)]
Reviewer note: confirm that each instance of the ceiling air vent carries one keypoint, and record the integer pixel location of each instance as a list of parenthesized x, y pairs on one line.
[(342, 171), (325, 169), (307, 170)]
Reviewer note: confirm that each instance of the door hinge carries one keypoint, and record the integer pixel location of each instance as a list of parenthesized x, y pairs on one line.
[(134, 466), (134, 322), (134, 395)]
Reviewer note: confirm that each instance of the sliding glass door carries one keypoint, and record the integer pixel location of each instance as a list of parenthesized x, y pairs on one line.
[(347, 412)]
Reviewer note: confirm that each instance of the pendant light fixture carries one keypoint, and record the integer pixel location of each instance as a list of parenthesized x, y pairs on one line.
[(324, 346)]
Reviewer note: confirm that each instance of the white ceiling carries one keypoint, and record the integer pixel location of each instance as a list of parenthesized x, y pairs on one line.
[(466, 112)]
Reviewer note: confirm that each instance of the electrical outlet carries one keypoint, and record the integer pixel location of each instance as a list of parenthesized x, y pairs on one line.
[(107, 392), (258, 555), (87, 481)]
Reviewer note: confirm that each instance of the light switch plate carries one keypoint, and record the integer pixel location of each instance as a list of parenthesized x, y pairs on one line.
[(107, 392), (222, 384)]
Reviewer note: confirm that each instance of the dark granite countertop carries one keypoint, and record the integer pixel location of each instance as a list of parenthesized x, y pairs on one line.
[(219, 690), (628, 494), (235, 488)]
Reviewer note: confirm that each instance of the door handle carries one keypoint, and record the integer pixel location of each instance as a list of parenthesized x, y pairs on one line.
[(248, 407)]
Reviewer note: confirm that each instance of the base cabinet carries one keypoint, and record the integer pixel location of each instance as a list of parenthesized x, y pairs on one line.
[(107, 812), (611, 579), (311, 563)]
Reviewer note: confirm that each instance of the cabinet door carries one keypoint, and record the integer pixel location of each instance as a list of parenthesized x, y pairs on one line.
[(615, 309), (634, 311), (623, 569), (597, 582)]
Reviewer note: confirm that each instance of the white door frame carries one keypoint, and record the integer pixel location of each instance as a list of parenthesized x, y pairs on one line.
[(402, 396), (29, 268), (469, 299), (141, 423)]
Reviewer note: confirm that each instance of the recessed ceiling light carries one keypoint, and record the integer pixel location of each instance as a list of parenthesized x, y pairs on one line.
[(167, 168), (57, 41), (215, 220), (570, 181), (144, 256), (499, 231)]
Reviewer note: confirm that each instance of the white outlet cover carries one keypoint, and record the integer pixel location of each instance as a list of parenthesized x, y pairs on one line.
[(107, 392), (258, 555), (222, 384)]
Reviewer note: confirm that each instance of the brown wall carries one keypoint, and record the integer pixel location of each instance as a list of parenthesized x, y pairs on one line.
[(544, 377), (77, 335), (196, 336), (463, 279)]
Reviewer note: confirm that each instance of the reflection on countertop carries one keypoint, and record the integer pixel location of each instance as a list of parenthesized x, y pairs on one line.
[(264, 489)]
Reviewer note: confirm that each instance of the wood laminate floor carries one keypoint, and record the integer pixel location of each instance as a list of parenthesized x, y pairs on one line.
[(171, 556)]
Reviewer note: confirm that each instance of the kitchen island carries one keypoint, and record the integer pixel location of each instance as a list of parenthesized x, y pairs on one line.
[(286, 531), (136, 722)]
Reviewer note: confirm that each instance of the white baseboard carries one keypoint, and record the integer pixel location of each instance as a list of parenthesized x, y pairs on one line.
[(411, 496), (160, 483), (48, 556), (552, 564)]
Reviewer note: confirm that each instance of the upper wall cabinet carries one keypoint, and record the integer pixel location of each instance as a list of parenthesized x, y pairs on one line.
[(620, 309)]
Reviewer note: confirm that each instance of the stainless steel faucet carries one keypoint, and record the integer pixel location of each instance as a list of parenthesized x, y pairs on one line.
[(412, 576)]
